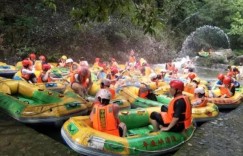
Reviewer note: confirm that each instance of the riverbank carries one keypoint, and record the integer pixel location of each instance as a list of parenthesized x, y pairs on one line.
[(18, 139), (221, 137)]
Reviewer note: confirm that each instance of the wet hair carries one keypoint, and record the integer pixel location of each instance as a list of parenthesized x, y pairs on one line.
[(190, 69), (201, 95), (104, 101)]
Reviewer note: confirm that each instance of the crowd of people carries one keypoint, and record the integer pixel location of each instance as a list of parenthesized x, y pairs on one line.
[(176, 117)]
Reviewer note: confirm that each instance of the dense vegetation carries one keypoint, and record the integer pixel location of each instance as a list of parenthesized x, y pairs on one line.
[(156, 29)]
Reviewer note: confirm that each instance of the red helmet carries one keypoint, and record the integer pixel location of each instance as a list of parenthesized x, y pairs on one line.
[(221, 77), (177, 84), (46, 67), (42, 58), (114, 70), (26, 62), (227, 80), (192, 76), (32, 56)]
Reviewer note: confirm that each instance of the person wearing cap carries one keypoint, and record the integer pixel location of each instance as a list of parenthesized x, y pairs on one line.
[(200, 99), (228, 89), (177, 116), (62, 61), (105, 84), (81, 80), (28, 72), (32, 58), (104, 115), (112, 76), (45, 75)]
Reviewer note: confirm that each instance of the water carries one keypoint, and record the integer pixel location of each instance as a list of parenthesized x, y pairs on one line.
[(206, 37)]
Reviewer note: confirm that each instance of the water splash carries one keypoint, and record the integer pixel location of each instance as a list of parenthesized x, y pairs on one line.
[(205, 37)]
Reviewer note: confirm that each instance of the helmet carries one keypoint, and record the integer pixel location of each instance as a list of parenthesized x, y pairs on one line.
[(104, 94), (32, 56), (153, 76), (227, 80), (26, 62), (46, 67), (196, 79), (177, 84), (199, 90), (114, 70), (84, 63), (221, 77), (69, 60), (42, 58), (64, 57), (106, 82), (192, 76)]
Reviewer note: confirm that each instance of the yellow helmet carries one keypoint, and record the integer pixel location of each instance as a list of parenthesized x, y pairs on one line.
[(64, 57), (196, 79)]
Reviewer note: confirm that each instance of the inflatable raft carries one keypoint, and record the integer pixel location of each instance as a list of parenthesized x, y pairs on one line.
[(141, 140), (199, 114), (7, 71), (29, 104)]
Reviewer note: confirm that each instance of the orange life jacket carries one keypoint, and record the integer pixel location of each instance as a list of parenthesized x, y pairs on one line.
[(25, 76), (104, 119), (189, 88), (225, 90), (168, 116), (113, 93), (39, 79), (132, 59), (170, 67), (202, 104), (84, 80)]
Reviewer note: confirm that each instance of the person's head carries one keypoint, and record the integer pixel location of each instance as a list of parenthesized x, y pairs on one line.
[(176, 87), (114, 71), (42, 58), (221, 77), (105, 83), (113, 60), (190, 69), (153, 77), (104, 96), (227, 81), (229, 68), (191, 76), (69, 61), (235, 69), (63, 58), (32, 57), (84, 63), (46, 67), (26, 63), (196, 80), (199, 92)]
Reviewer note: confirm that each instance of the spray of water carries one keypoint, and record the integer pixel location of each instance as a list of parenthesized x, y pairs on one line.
[(205, 37)]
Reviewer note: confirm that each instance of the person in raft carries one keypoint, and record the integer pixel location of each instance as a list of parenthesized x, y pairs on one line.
[(45, 75), (177, 116), (28, 72), (104, 116), (81, 80)]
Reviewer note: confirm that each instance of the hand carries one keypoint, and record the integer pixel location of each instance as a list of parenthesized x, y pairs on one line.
[(163, 128)]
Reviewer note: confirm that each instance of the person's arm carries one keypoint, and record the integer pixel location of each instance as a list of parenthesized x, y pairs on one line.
[(172, 124), (26, 71)]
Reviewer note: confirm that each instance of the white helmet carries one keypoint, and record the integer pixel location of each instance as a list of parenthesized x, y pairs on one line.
[(199, 90), (69, 60), (152, 76), (104, 94), (84, 63)]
